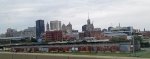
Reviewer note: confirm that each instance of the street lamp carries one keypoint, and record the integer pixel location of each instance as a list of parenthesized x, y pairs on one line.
[(133, 45)]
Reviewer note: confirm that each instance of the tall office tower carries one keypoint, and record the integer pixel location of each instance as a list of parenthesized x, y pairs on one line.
[(47, 27), (84, 28), (55, 25), (40, 28), (69, 28), (63, 27), (89, 26)]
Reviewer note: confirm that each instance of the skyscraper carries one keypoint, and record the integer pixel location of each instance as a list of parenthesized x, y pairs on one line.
[(47, 27), (84, 28), (88, 21), (69, 28), (63, 27), (89, 26), (40, 28), (55, 25)]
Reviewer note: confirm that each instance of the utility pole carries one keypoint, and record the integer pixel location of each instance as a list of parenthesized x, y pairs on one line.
[(133, 46), (12, 56)]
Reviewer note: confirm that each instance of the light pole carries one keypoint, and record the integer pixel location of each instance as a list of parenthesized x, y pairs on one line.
[(133, 45), (12, 57), (35, 56)]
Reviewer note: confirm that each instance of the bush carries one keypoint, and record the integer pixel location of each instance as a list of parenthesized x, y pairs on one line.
[(145, 44), (118, 39)]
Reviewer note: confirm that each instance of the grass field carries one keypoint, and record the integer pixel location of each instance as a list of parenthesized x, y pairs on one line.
[(145, 53), (100, 54), (85, 55)]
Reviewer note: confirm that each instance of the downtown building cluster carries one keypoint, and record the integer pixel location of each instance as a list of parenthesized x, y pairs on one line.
[(56, 31), (58, 37), (29, 32)]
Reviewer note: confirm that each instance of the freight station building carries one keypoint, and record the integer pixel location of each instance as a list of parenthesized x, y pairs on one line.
[(78, 47)]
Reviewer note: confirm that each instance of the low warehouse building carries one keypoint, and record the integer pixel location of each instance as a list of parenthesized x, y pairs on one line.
[(79, 47)]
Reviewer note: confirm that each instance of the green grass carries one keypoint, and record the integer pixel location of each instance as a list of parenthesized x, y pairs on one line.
[(142, 54), (99, 54)]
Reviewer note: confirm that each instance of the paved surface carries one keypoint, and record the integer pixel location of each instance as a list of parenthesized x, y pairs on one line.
[(10, 55)]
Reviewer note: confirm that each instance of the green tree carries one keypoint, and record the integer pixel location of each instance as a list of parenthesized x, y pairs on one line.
[(118, 39), (138, 38), (23, 40), (33, 40)]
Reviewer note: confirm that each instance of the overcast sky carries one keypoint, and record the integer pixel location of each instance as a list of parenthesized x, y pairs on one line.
[(20, 14)]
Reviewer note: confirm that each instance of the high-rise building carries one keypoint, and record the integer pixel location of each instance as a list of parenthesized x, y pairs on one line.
[(30, 32), (84, 28), (47, 27), (55, 25), (88, 21), (11, 32), (89, 26), (63, 27), (40, 28), (69, 28)]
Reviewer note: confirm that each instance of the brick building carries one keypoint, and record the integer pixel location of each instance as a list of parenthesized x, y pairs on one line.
[(96, 34), (146, 34), (79, 47), (52, 36)]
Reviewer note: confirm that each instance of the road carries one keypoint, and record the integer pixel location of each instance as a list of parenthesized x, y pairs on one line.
[(11, 55)]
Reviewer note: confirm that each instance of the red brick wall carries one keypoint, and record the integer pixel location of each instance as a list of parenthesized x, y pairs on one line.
[(53, 36)]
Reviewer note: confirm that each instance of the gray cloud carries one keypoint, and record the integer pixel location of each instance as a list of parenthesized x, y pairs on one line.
[(20, 14)]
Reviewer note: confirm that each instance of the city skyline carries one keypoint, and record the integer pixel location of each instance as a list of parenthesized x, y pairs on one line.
[(22, 14)]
